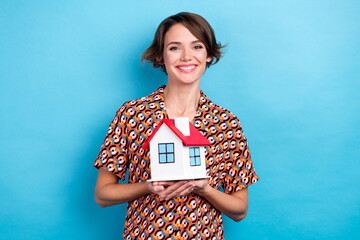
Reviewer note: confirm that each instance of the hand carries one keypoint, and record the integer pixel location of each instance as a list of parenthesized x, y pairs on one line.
[(169, 189), (158, 187), (200, 185)]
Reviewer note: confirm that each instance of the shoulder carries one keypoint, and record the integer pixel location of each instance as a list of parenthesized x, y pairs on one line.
[(215, 113), (141, 106)]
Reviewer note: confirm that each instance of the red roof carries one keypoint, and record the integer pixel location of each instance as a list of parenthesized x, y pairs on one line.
[(194, 139)]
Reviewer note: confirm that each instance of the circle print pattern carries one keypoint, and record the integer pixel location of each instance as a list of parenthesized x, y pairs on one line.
[(228, 163)]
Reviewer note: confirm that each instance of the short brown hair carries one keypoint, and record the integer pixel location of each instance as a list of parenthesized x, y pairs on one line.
[(197, 25)]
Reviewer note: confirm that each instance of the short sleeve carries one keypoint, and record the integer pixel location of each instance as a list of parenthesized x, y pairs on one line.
[(113, 151), (239, 170)]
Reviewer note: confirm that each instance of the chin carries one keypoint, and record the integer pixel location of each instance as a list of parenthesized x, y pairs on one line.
[(188, 81), (185, 79)]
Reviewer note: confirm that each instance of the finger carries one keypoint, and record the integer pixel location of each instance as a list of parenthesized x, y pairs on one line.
[(165, 183), (177, 188), (155, 188), (185, 192), (158, 188), (168, 191), (168, 183), (200, 185), (175, 185)]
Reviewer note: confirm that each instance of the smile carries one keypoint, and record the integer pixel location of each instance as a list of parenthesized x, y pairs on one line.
[(187, 69)]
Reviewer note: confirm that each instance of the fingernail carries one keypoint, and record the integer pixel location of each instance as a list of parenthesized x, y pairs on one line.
[(161, 199)]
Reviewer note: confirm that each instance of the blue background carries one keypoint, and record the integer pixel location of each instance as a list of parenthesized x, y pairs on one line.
[(290, 73)]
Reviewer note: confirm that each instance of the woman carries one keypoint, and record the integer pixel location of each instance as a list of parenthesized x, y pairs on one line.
[(184, 46)]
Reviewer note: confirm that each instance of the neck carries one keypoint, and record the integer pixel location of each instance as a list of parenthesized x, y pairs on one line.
[(181, 100)]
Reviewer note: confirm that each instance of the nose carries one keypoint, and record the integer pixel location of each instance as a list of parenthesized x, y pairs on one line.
[(186, 55)]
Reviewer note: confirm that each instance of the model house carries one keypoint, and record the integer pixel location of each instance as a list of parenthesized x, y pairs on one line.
[(176, 151)]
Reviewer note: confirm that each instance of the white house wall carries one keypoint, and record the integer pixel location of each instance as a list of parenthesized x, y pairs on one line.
[(166, 171), (194, 171)]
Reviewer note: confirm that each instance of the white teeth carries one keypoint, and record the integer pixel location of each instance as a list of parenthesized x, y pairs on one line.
[(187, 68)]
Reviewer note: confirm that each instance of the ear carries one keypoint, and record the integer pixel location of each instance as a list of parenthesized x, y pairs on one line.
[(209, 59), (160, 60)]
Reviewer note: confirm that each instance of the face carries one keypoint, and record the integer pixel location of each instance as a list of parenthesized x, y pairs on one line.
[(184, 56)]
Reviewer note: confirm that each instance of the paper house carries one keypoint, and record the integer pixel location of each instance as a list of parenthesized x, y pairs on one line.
[(176, 151)]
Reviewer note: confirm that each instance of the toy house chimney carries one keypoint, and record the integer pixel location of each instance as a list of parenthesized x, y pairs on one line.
[(182, 123)]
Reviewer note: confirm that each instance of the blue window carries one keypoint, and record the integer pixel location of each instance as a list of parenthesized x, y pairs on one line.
[(195, 156), (166, 153)]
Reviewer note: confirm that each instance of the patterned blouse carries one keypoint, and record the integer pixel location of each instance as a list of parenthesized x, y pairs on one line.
[(228, 164)]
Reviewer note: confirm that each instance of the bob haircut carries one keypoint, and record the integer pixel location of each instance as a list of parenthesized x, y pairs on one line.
[(197, 25)]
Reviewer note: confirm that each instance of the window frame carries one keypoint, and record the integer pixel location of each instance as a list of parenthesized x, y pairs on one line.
[(195, 158), (167, 153)]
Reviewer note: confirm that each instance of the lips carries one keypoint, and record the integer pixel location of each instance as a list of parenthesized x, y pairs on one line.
[(186, 68)]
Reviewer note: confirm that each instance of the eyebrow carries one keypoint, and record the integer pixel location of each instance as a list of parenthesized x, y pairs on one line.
[(196, 41)]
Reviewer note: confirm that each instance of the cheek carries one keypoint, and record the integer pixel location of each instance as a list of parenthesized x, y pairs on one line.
[(170, 58), (203, 56)]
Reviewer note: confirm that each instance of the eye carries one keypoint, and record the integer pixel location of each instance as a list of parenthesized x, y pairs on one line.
[(173, 48), (198, 47)]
